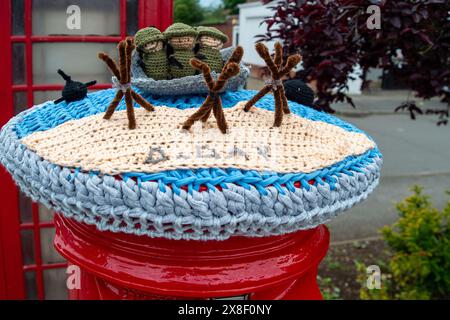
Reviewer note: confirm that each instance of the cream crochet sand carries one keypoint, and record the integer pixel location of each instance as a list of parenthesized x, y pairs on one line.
[(158, 143)]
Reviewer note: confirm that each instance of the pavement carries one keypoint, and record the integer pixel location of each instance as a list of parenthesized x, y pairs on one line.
[(415, 152)]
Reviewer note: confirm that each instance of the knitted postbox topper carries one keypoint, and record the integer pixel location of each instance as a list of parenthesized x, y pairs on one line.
[(239, 172)]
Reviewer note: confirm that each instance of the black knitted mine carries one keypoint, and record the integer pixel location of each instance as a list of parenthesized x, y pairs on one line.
[(74, 91)]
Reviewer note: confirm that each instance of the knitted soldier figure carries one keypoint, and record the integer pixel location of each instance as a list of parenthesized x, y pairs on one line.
[(180, 49), (150, 45), (210, 41)]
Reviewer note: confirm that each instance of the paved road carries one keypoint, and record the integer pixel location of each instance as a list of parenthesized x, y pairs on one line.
[(415, 152), (384, 101)]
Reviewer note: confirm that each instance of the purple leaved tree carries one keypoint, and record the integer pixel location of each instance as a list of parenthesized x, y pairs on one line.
[(334, 36)]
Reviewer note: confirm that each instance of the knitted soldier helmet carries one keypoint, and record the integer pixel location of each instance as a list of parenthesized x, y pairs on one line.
[(180, 30), (298, 91), (146, 35), (212, 32)]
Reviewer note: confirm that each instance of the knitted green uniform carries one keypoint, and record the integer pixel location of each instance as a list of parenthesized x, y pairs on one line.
[(154, 59), (212, 57), (212, 54), (155, 65), (183, 51)]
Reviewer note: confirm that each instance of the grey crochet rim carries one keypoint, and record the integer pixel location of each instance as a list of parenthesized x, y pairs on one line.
[(182, 86), (124, 206)]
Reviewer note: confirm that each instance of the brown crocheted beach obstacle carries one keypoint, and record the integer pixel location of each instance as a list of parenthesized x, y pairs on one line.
[(213, 101), (123, 74), (277, 71)]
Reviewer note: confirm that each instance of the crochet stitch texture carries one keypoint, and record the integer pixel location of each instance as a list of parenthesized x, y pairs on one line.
[(154, 59), (146, 35), (183, 56), (183, 51), (155, 65), (300, 145), (212, 32), (211, 54), (179, 29), (191, 85), (212, 57), (199, 204)]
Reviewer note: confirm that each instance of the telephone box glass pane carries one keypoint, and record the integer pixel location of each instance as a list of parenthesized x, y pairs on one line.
[(79, 60), (18, 63), (27, 238), (49, 253), (55, 284), (30, 285), (45, 214), (76, 17), (132, 17), (18, 17), (25, 208), (20, 103), (44, 96)]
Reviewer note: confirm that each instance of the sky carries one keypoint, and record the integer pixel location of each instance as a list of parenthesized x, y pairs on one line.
[(207, 3)]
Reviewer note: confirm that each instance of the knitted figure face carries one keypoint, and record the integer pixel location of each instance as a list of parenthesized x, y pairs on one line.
[(185, 42), (211, 42), (153, 46)]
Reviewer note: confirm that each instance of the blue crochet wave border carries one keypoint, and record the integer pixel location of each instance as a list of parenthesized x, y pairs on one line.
[(213, 177), (235, 202)]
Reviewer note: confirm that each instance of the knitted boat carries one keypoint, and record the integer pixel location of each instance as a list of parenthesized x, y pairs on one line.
[(159, 181), (185, 85)]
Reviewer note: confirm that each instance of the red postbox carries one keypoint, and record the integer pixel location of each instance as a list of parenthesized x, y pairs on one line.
[(122, 266)]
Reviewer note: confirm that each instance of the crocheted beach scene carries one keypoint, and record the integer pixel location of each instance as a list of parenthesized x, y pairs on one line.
[(300, 145), (216, 162), (209, 203)]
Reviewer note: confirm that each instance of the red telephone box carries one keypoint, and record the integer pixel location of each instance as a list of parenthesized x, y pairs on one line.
[(36, 39)]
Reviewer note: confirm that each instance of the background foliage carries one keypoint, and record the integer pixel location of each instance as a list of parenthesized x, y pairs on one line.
[(187, 11), (232, 5), (413, 43), (420, 244), (193, 13)]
